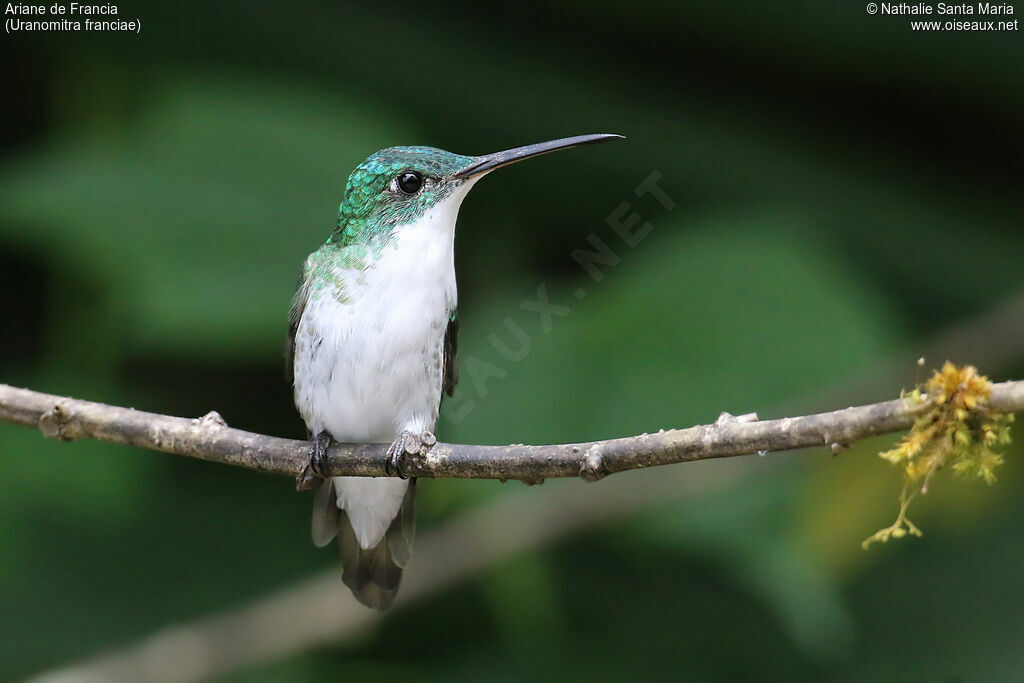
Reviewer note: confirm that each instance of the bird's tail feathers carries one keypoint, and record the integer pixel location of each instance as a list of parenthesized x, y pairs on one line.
[(326, 514), (373, 575)]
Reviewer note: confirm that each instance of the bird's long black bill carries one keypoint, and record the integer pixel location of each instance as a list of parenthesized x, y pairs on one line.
[(489, 162)]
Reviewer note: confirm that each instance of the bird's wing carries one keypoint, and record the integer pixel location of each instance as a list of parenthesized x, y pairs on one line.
[(294, 316), (451, 345)]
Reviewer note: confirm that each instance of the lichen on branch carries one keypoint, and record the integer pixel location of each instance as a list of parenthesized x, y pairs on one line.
[(956, 428)]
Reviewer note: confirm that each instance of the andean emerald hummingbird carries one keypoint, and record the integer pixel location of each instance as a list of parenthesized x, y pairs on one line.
[(373, 338)]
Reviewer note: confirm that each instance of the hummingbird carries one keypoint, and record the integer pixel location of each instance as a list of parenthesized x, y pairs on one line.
[(372, 342)]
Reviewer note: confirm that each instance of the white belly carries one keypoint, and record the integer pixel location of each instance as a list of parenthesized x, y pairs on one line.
[(368, 369), (369, 360)]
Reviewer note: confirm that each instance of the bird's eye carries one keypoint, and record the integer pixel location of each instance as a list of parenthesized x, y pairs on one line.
[(410, 182)]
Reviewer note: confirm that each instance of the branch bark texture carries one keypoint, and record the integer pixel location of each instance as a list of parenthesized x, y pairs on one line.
[(208, 438)]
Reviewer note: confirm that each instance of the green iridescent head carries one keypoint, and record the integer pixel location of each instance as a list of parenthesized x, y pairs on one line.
[(397, 185)]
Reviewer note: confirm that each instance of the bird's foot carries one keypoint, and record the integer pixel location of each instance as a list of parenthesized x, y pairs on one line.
[(407, 444), (313, 473)]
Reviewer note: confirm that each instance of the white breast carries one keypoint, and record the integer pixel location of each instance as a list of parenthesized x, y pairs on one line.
[(369, 361)]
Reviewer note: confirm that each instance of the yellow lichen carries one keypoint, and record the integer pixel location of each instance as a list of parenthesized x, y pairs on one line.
[(954, 428)]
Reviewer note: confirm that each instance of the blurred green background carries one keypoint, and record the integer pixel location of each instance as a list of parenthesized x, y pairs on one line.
[(847, 192)]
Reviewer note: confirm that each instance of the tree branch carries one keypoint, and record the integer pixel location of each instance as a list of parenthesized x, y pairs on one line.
[(320, 609), (208, 438)]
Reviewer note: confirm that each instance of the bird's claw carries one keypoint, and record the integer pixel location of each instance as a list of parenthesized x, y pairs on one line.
[(318, 454), (395, 463), (314, 471), (407, 444)]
